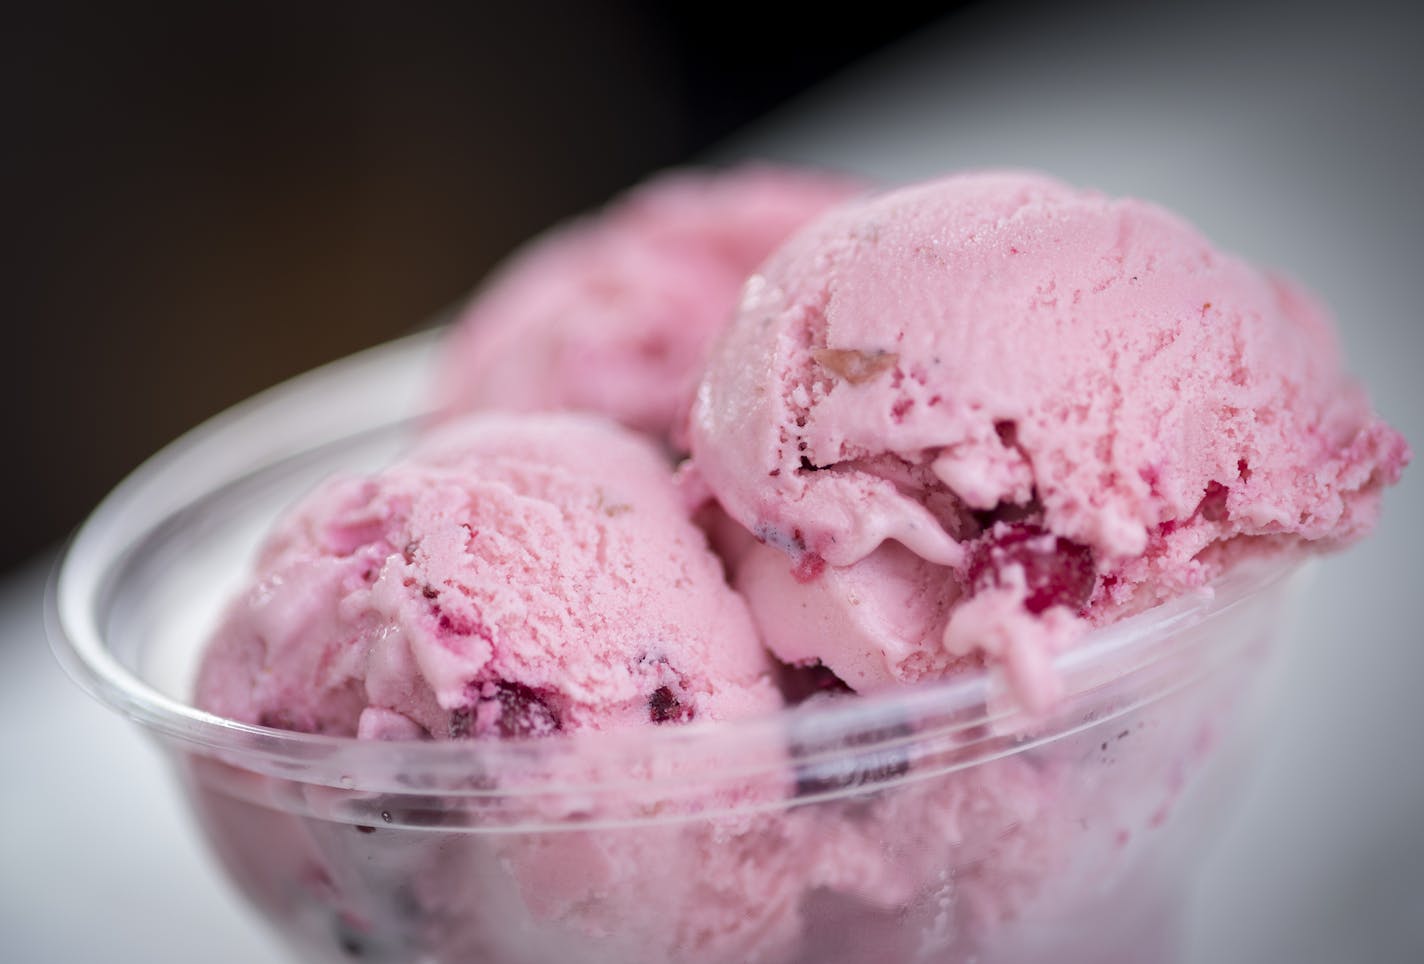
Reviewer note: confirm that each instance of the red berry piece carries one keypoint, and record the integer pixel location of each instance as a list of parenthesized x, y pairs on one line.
[(808, 568), (800, 683), (1057, 571), (522, 712), (665, 707), (1009, 512), (504, 709), (1213, 503)]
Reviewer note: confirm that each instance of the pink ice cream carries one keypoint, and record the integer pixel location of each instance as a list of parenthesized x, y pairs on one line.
[(511, 577), (953, 426), (971, 418), (614, 313)]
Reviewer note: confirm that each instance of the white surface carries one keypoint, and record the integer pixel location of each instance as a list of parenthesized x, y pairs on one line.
[(1290, 139), (98, 859)]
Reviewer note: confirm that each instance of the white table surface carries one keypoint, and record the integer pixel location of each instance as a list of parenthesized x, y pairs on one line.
[(1291, 139)]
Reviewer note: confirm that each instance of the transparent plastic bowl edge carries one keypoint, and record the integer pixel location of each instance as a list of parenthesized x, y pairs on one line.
[(971, 716)]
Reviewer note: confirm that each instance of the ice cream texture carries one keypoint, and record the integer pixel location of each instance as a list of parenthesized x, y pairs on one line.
[(614, 313), (512, 577), (971, 418)]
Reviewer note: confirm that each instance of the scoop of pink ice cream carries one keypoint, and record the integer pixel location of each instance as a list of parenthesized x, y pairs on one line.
[(970, 417), (614, 313), (514, 576)]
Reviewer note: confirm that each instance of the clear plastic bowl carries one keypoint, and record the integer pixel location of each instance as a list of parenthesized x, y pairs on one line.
[(939, 823)]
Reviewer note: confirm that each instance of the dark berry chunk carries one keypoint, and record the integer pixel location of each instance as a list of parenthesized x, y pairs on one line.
[(462, 722), (449, 624), (1009, 512), (1213, 503), (665, 707), (800, 683), (504, 709), (522, 712), (352, 940), (1058, 571)]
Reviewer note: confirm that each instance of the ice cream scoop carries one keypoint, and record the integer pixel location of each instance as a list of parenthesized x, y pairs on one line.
[(512, 577), (614, 313), (970, 418)]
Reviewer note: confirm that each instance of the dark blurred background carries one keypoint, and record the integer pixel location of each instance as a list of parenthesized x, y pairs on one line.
[(202, 200)]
